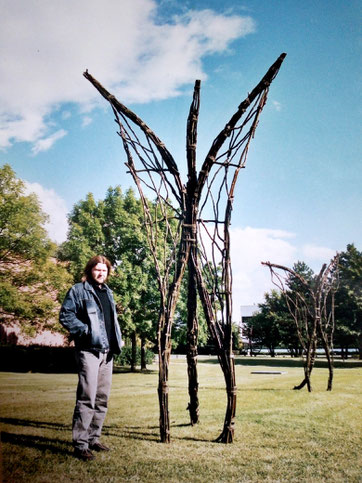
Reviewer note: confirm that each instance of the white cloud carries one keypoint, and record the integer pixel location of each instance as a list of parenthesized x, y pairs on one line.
[(315, 252), (45, 46), (54, 206), (86, 121), (250, 247), (277, 105), (66, 115), (46, 143)]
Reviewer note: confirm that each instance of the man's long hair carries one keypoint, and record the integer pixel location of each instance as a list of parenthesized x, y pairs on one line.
[(92, 263)]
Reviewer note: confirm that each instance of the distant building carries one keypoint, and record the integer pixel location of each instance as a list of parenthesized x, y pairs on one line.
[(13, 335), (246, 313)]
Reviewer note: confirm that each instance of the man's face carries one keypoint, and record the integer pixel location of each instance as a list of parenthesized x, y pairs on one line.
[(99, 273)]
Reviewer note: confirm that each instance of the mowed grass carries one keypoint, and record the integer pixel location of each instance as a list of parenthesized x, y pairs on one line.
[(280, 435)]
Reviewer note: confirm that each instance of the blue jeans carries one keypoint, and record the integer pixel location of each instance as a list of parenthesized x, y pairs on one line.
[(94, 385)]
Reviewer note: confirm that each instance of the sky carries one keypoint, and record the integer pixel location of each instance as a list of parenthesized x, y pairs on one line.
[(299, 197)]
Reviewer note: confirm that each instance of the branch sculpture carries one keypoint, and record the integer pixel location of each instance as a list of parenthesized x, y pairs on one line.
[(311, 305), (188, 229)]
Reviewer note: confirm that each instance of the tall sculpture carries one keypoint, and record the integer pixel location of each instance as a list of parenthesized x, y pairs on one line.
[(187, 226)]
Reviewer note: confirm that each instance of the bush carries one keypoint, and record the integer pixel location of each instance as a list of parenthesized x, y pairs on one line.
[(125, 358), (37, 359)]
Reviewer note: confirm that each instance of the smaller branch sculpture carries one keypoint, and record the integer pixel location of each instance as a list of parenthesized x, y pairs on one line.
[(311, 305)]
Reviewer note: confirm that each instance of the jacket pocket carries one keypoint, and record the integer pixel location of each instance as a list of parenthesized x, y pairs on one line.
[(94, 327)]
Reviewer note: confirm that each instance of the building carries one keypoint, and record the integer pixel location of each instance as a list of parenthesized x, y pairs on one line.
[(246, 312)]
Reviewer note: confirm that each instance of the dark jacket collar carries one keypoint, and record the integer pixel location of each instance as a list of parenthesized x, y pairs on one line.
[(89, 286)]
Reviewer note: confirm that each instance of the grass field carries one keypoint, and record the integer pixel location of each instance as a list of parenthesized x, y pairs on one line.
[(281, 435)]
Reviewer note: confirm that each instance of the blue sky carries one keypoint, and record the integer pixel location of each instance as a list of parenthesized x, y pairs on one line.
[(299, 197)]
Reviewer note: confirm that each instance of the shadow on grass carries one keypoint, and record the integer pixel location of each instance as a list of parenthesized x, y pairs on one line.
[(35, 424), (53, 445), (283, 362), (189, 438), (155, 436), (38, 442), (141, 435), (127, 370)]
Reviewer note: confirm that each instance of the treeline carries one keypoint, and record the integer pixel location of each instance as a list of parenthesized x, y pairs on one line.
[(35, 274)]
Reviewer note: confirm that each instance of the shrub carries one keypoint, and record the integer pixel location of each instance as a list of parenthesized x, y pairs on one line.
[(125, 358)]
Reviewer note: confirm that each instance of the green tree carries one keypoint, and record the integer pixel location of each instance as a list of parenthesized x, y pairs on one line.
[(85, 237), (349, 300), (114, 227), (179, 328), (294, 283), (264, 325), (273, 326), (31, 294), (31, 282), (22, 232)]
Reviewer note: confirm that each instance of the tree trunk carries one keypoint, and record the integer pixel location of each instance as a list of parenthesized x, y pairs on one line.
[(143, 354), (134, 351), (360, 347)]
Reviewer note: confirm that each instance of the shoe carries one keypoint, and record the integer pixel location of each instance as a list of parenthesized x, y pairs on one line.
[(99, 447), (84, 454)]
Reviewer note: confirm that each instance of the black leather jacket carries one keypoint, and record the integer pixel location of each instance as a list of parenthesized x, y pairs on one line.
[(82, 315)]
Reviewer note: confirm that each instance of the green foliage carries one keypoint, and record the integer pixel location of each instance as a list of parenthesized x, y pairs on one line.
[(179, 329), (31, 294), (306, 273), (274, 326), (22, 233), (32, 284), (236, 335), (125, 357), (349, 299), (85, 237), (114, 227)]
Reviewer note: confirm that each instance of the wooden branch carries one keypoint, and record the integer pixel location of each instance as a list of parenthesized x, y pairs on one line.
[(191, 136), (122, 109), (286, 269), (219, 140)]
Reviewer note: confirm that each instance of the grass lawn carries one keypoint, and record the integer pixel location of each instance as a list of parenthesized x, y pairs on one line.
[(281, 435)]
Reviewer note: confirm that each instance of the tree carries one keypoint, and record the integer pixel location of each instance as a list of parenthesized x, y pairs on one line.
[(114, 227), (264, 325), (349, 300), (31, 294), (273, 326), (32, 283), (180, 329), (85, 235), (22, 232)]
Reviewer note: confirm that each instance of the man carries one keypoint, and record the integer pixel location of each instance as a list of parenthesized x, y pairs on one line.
[(89, 314)]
